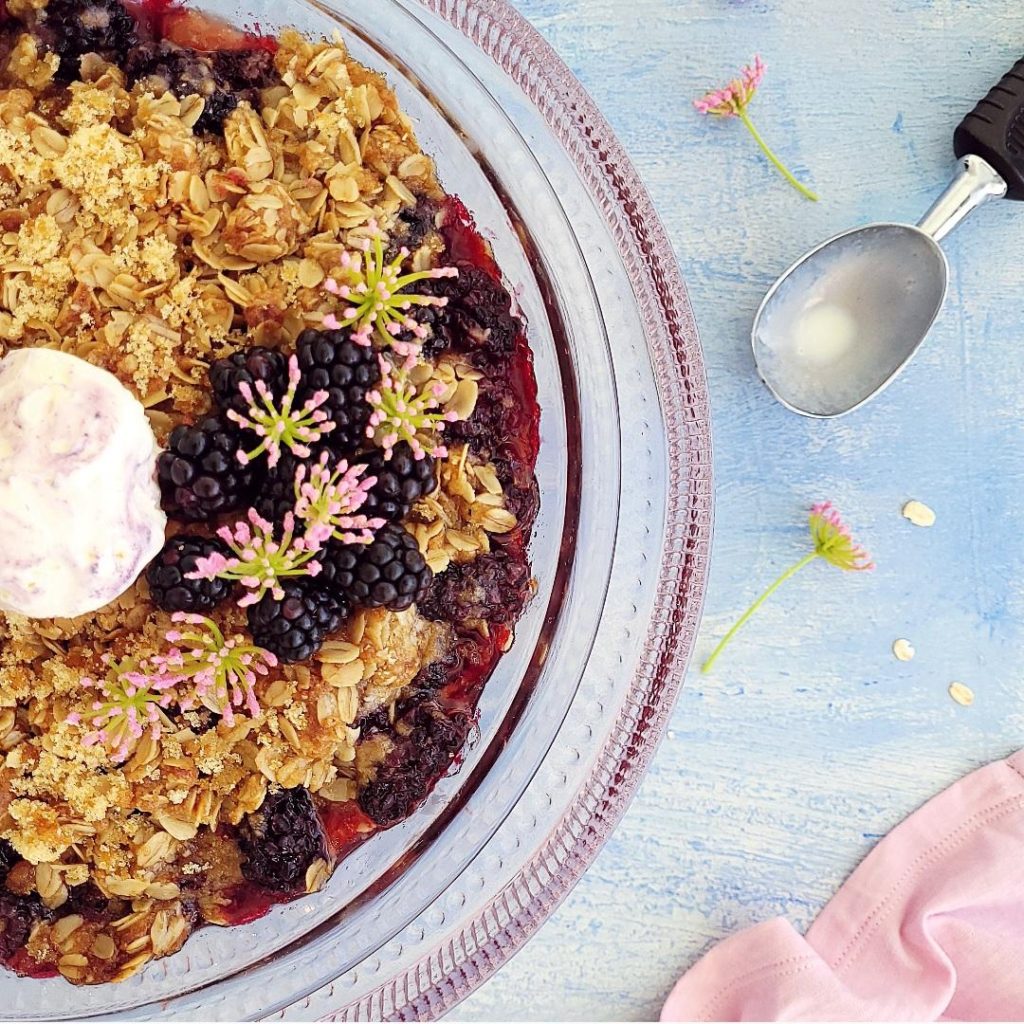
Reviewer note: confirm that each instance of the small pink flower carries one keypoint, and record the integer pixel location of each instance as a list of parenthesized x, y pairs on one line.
[(329, 502), (130, 701), (832, 540), (402, 412), (281, 426), (732, 100), (378, 303), (260, 559), (222, 672)]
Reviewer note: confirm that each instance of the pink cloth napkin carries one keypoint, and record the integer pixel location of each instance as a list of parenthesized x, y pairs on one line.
[(929, 927)]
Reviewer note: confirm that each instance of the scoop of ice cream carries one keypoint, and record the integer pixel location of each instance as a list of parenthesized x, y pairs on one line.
[(79, 504)]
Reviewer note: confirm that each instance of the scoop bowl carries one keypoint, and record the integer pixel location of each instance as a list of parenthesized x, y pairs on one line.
[(847, 317)]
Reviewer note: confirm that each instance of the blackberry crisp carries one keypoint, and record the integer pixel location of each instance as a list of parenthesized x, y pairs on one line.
[(427, 739), (281, 840), (18, 914), (493, 587), (401, 481), (73, 28), (295, 627), (477, 319), (247, 367), (389, 573), (223, 78), (200, 475), (167, 575), (330, 361)]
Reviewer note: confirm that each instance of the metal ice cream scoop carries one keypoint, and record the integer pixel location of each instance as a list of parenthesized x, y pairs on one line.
[(847, 317)]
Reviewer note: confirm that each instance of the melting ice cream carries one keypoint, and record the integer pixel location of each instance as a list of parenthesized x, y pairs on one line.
[(79, 505)]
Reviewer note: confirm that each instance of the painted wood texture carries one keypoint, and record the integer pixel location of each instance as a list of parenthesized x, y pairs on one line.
[(810, 740)]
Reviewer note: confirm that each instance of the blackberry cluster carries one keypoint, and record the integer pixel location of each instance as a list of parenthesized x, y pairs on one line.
[(223, 78), (73, 28), (401, 481), (477, 319), (494, 586), (200, 474), (281, 840), (389, 572), (427, 739), (276, 497), (330, 361), (265, 364), (167, 575), (294, 627)]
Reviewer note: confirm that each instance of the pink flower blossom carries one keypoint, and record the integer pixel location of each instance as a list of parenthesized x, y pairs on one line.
[(222, 672), (129, 701), (282, 426), (403, 412), (378, 303), (732, 100), (329, 502), (832, 541), (260, 559)]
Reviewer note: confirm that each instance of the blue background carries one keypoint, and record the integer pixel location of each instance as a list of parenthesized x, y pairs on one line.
[(810, 740)]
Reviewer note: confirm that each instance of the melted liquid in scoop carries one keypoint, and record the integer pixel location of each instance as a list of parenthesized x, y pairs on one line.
[(843, 323)]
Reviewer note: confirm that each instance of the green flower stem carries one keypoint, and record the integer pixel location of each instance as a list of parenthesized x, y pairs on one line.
[(783, 169), (788, 574)]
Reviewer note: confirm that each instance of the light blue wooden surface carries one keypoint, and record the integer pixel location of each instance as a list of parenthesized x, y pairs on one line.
[(810, 740)]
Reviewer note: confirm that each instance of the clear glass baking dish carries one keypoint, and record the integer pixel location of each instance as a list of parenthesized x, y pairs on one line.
[(419, 915)]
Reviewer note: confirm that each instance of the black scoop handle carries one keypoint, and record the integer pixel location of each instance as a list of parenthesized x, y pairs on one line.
[(994, 130)]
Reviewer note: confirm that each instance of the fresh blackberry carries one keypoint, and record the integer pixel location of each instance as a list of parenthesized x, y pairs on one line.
[(73, 28), (200, 474), (330, 361), (401, 481), (493, 587), (18, 915), (276, 496), (265, 364), (390, 572), (295, 627), (427, 739), (167, 575), (222, 78), (281, 840)]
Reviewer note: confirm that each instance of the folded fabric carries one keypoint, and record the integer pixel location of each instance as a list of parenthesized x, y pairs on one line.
[(929, 927)]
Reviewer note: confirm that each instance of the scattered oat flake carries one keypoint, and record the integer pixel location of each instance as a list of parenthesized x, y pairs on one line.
[(919, 513), (903, 650), (962, 694)]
